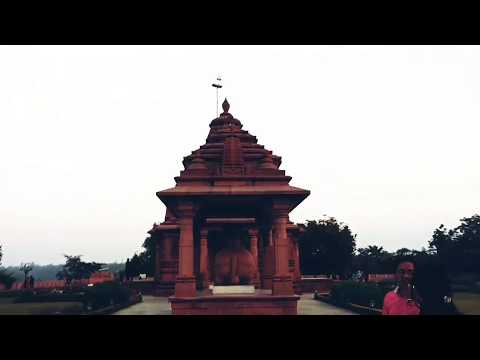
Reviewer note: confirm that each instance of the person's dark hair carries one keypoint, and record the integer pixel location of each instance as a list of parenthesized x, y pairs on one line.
[(433, 285)]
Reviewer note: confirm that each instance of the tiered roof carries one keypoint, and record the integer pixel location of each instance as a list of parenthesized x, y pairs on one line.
[(231, 162)]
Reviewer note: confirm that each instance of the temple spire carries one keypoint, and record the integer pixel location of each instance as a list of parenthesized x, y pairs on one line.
[(225, 106)]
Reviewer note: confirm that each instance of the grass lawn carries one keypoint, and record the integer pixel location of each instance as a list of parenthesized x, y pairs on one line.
[(467, 303), (6, 300), (50, 308)]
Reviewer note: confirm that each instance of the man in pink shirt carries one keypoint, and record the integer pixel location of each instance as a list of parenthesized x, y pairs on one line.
[(402, 300)]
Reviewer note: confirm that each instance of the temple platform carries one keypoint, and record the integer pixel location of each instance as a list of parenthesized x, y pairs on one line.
[(238, 290), (261, 302)]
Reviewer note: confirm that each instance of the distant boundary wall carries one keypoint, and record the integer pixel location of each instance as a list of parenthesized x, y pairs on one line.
[(96, 278)]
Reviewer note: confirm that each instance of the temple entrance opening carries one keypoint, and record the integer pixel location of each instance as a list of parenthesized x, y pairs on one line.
[(233, 263)]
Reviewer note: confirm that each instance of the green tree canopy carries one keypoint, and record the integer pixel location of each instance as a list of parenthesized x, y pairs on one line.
[(326, 247), (468, 243), (459, 248), (143, 263), (76, 269), (6, 278), (373, 260)]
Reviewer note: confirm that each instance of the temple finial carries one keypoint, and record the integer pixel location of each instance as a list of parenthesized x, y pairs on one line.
[(217, 85), (225, 106)]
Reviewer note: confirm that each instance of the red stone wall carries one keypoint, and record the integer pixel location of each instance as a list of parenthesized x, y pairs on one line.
[(96, 278)]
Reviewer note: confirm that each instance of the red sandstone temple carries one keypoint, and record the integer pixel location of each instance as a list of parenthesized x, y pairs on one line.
[(227, 245)]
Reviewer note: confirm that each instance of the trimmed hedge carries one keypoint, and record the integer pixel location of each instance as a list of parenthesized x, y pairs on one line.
[(93, 298), (51, 308), (10, 293), (32, 297), (107, 294), (360, 293)]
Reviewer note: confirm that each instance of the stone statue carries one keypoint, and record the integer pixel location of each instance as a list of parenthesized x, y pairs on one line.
[(234, 265)]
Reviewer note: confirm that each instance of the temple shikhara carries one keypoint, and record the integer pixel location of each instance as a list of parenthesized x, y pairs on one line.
[(227, 245)]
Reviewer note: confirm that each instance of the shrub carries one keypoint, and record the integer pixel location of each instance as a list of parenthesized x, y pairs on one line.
[(93, 298), (56, 308), (364, 294), (34, 297), (106, 294), (6, 278), (10, 293), (387, 286)]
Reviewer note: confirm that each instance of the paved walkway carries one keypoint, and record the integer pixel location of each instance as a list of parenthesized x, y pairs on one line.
[(307, 305), (153, 305)]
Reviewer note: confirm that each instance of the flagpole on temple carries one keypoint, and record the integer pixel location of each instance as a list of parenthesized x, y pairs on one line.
[(217, 86)]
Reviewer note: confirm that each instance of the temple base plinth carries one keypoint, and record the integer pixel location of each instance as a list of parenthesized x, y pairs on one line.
[(255, 304), (185, 287), (282, 285)]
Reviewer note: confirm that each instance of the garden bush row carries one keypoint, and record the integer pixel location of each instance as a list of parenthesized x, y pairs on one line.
[(94, 297), (360, 293)]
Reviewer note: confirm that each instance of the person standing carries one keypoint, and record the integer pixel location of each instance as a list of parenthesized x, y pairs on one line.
[(403, 300)]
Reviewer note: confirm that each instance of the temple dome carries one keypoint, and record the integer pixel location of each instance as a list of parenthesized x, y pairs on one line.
[(225, 120)]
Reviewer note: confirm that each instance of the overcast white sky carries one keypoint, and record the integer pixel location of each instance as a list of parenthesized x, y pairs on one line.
[(385, 137)]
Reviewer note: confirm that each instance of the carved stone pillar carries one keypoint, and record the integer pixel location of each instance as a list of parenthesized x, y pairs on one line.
[(253, 235), (270, 238), (268, 261), (167, 247), (185, 281), (204, 257), (158, 254), (169, 262), (297, 261), (282, 280)]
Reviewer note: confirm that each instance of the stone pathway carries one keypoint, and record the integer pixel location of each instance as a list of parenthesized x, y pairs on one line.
[(153, 305), (307, 305)]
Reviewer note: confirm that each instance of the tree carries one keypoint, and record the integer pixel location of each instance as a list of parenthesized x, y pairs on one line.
[(76, 269), (467, 244), (6, 278), (442, 241), (128, 270), (26, 268), (148, 256), (459, 248), (143, 263), (326, 247), (374, 260), (404, 252), (121, 275)]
